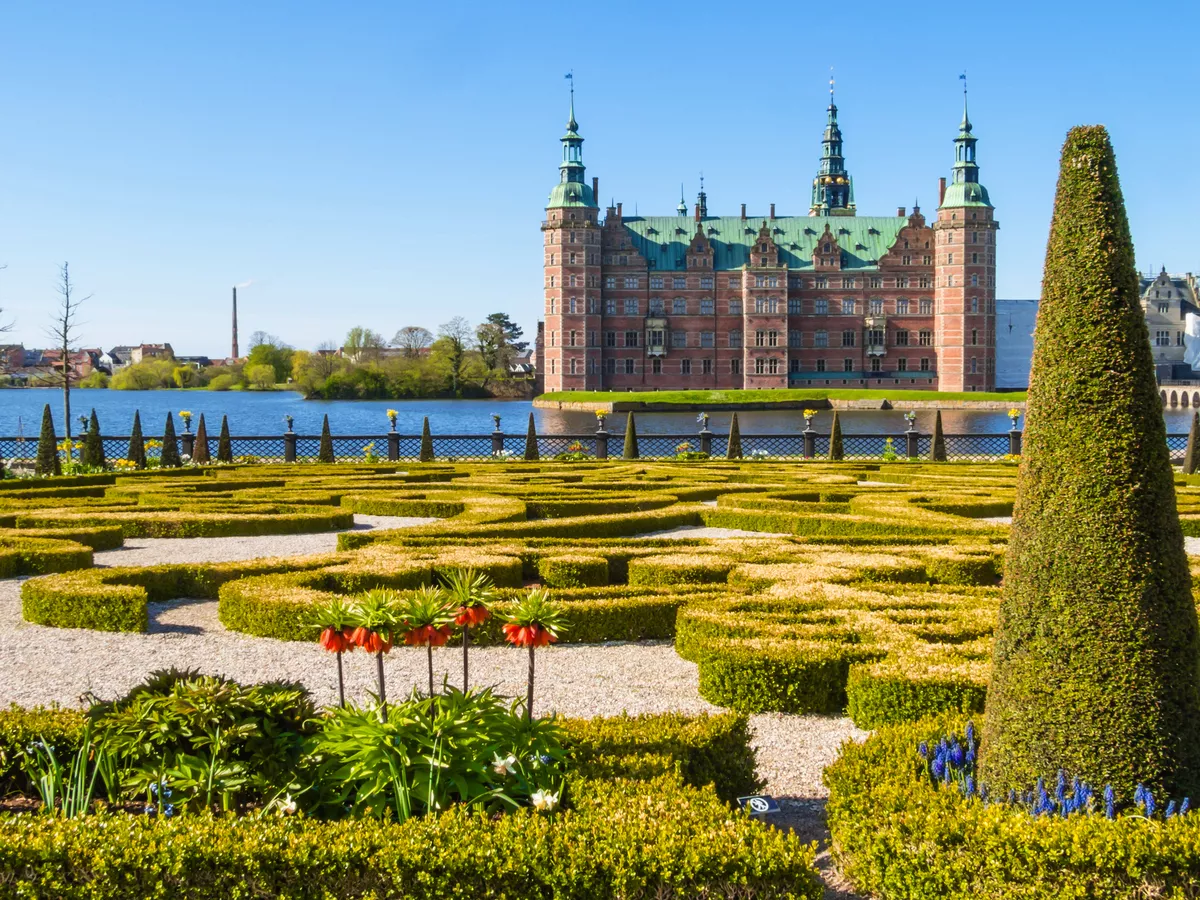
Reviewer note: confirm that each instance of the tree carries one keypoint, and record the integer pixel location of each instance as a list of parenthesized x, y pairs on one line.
[(531, 445), (413, 340), (261, 377), (200, 454), (93, 444), (511, 330), (1191, 457), (325, 450), (363, 344), (268, 350), (937, 451), (734, 448), (170, 448), (185, 376), (47, 452), (137, 445), (64, 332), (456, 334), (493, 350), (630, 450), (224, 444), (426, 452), (836, 451), (1095, 655)]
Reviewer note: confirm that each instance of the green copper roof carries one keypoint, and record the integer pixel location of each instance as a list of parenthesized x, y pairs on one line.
[(571, 193), (968, 193), (664, 240)]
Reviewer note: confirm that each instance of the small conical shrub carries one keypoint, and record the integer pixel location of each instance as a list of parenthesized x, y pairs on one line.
[(937, 448), (734, 448), (47, 452), (93, 444), (631, 448), (1190, 460), (224, 444), (325, 451), (170, 448), (137, 444), (1095, 655), (200, 455), (835, 438), (426, 454), (531, 447)]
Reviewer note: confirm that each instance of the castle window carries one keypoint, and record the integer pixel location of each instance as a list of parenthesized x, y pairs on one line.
[(877, 307), (901, 338), (902, 307), (706, 366), (554, 339), (610, 282), (591, 339), (735, 281), (795, 281), (848, 305), (760, 280), (847, 338), (1162, 339), (656, 366), (623, 261), (902, 365), (926, 307), (875, 367), (974, 237), (821, 338), (902, 281), (759, 366), (906, 260), (847, 365), (1163, 308), (656, 306), (610, 339), (950, 259), (827, 248), (678, 338), (822, 283), (592, 367), (553, 306), (794, 365), (847, 283), (925, 338), (685, 367), (924, 281), (656, 282), (707, 339), (610, 307), (552, 367), (735, 367), (974, 306), (573, 366), (631, 282), (760, 338), (975, 258), (707, 306), (773, 366), (735, 307), (924, 363), (679, 282), (735, 338), (974, 281), (974, 337), (772, 281), (794, 338), (1179, 339), (706, 282), (991, 306), (631, 339), (551, 281), (573, 306), (631, 306), (974, 366), (551, 259), (820, 365), (821, 307), (927, 260), (679, 307), (772, 338), (906, 245), (876, 281), (572, 259), (794, 308), (629, 367)]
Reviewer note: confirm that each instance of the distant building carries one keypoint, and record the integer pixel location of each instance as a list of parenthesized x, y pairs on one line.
[(1166, 302), (144, 352), (12, 358), (522, 366), (195, 362)]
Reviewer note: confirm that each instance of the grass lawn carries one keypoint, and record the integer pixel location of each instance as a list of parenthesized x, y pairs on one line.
[(787, 395)]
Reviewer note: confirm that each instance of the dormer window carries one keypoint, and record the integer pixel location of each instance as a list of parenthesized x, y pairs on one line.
[(763, 248)]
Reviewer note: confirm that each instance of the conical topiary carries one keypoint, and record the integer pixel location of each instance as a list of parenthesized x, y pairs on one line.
[(93, 444), (137, 444), (426, 454), (835, 438), (937, 448), (325, 450), (170, 448), (1095, 659), (224, 444), (47, 453), (1190, 460), (631, 446), (531, 447), (200, 455), (734, 448)]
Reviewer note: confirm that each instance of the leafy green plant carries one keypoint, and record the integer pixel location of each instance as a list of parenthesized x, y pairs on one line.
[(66, 784), (335, 618), (376, 617), (534, 621), (427, 614), (472, 592)]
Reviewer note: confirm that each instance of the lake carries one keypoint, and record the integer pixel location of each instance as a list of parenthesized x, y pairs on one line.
[(262, 414)]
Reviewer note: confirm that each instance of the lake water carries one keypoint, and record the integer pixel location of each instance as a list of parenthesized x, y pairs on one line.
[(262, 414)]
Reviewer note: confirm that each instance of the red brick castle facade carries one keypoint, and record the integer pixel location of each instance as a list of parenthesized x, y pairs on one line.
[(828, 299)]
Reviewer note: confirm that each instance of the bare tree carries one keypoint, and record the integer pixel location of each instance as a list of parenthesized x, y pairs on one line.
[(325, 360), (363, 343), (412, 339), (64, 331), (458, 334)]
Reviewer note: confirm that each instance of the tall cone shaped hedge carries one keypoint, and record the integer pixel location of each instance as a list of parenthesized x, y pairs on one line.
[(93, 444), (1191, 458), (937, 448), (224, 444), (137, 445), (1096, 651), (835, 438), (325, 448), (734, 449), (200, 455), (531, 447), (47, 462), (170, 448), (630, 450), (426, 452)]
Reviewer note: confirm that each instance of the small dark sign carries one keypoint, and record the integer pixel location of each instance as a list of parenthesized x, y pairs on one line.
[(758, 805)]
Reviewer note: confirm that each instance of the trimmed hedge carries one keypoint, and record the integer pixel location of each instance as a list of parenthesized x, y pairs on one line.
[(573, 570), (195, 523), (20, 727), (38, 556)]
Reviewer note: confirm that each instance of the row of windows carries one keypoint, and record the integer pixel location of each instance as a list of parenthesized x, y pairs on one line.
[(948, 237), (762, 366), (848, 306), (574, 237), (821, 282), (875, 337), (948, 259), (1163, 339)]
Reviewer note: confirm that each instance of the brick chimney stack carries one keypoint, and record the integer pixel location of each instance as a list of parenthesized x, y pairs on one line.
[(772, 210), (743, 212), (941, 190)]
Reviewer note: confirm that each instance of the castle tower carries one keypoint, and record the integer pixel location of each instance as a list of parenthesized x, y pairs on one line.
[(965, 274), (572, 273), (833, 189)]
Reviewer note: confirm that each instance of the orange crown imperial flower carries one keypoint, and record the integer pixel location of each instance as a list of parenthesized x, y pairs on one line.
[(528, 635), (470, 616)]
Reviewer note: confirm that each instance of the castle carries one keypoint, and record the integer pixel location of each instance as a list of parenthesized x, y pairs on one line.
[(831, 299)]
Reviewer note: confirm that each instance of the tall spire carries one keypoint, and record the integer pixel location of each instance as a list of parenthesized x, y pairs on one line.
[(682, 207), (571, 189), (701, 200), (832, 191), (965, 189)]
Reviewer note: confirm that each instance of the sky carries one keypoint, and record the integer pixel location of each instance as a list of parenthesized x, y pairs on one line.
[(387, 164)]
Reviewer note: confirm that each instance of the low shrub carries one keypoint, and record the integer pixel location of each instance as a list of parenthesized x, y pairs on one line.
[(884, 693), (19, 727), (573, 570), (679, 568), (38, 556)]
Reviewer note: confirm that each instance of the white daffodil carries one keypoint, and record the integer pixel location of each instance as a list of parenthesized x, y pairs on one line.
[(287, 806), (503, 767), (544, 801)]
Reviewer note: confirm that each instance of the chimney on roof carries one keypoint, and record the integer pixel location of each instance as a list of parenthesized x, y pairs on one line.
[(941, 190), (901, 211), (596, 189), (772, 210), (619, 211), (743, 211)]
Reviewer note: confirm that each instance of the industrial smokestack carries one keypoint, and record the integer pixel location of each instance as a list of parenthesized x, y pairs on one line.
[(235, 340)]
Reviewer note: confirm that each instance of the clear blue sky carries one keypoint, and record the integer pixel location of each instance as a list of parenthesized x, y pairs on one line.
[(386, 164)]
